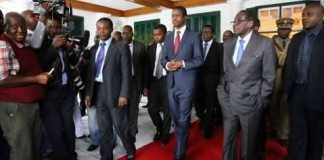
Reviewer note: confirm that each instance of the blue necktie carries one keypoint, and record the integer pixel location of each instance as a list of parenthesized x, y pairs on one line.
[(100, 58), (240, 52)]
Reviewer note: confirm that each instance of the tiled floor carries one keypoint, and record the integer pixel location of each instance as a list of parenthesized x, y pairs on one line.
[(145, 135)]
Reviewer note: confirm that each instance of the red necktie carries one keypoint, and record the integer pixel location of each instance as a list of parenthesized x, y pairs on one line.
[(177, 43)]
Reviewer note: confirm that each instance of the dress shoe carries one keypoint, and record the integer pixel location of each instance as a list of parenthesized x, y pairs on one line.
[(181, 158), (165, 139), (92, 147), (207, 133), (130, 157), (283, 142), (157, 136)]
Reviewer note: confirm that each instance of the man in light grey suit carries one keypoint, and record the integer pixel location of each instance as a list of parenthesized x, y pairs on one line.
[(108, 89), (249, 73)]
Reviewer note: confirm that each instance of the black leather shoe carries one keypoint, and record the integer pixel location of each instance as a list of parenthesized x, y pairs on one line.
[(157, 136), (92, 147), (130, 157), (165, 139), (180, 158)]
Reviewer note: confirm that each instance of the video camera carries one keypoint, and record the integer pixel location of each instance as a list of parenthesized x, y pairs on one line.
[(75, 44)]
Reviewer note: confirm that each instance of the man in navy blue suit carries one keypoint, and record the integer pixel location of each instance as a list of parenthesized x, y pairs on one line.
[(182, 55)]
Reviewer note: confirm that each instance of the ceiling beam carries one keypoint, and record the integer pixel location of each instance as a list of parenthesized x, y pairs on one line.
[(151, 6), (193, 3), (154, 3), (140, 11), (95, 8), (144, 3), (164, 3)]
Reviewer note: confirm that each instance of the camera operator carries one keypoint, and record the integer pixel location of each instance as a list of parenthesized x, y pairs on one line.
[(57, 108)]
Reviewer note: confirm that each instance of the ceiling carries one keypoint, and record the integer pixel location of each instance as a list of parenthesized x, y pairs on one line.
[(126, 8), (117, 4)]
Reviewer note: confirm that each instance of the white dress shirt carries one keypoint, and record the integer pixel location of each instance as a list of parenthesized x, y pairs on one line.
[(182, 30), (157, 55), (35, 38), (237, 45), (209, 43), (99, 78), (131, 48)]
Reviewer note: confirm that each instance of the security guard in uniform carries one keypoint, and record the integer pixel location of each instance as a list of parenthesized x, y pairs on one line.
[(278, 108)]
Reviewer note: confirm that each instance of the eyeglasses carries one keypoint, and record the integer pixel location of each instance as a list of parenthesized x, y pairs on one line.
[(239, 21)]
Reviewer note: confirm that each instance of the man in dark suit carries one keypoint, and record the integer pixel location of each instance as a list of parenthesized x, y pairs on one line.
[(108, 89), (137, 52), (182, 56), (207, 106), (249, 73), (57, 107), (155, 86), (304, 86)]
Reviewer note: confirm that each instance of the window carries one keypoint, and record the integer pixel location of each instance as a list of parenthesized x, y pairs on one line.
[(196, 22), (269, 14), (143, 30)]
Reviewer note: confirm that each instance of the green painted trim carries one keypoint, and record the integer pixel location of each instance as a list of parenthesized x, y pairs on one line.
[(195, 22), (143, 30)]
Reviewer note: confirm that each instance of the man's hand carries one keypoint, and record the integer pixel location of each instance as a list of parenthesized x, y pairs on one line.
[(59, 41), (87, 101), (179, 64), (42, 78), (122, 102), (174, 65)]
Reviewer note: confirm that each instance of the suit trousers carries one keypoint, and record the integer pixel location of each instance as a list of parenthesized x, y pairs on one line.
[(133, 110), (250, 128), (109, 116), (207, 105), (180, 109), (158, 98), (306, 127), (57, 116), (93, 125)]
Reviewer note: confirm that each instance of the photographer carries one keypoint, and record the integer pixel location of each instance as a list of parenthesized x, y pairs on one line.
[(57, 108)]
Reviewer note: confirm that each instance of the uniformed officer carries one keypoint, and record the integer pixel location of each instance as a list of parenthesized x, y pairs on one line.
[(279, 109)]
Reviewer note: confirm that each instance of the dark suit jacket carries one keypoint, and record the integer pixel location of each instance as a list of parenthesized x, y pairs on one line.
[(48, 57), (139, 63), (249, 85), (315, 86), (191, 52), (116, 72), (210, 71), (150, 64)]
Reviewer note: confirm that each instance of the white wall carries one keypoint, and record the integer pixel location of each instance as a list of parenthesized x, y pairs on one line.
[(90, 19), (228, 11)]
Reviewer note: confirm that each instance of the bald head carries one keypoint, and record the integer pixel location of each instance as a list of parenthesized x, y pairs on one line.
[(31, 19), (312, 16), (228, 34), (15, 27), (127, 34)]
